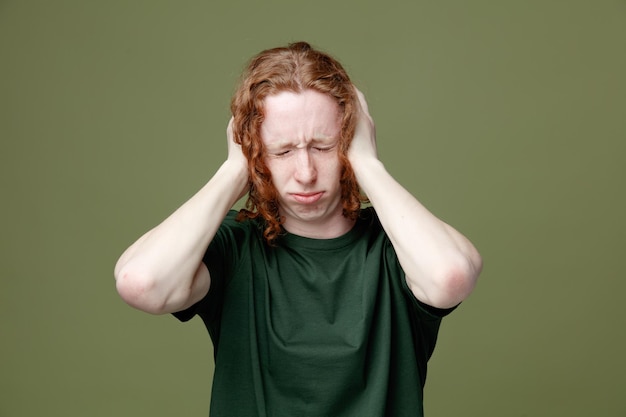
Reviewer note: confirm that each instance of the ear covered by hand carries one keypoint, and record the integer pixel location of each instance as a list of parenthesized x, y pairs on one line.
[(364, 141), (235, 154)]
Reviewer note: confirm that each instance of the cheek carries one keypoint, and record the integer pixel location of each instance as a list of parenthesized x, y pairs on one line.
[(331, 168), (279, 170)]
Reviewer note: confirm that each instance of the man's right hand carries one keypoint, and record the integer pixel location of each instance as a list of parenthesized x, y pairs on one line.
[(234, 149), (235, 154)]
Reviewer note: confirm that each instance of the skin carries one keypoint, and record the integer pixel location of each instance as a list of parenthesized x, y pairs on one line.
[(301, 133), (163, 272)]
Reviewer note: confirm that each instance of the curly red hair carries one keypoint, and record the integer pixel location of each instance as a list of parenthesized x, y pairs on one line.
[(296, 67)]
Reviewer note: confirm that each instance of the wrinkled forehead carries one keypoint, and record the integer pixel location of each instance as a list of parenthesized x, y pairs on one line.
[(290, 116)]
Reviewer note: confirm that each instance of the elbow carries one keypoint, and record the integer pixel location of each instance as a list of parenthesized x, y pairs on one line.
[(460, 283), (138, 291), (457, 281)]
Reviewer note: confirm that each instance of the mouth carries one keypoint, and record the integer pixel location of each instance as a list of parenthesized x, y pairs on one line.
[(307, 198)]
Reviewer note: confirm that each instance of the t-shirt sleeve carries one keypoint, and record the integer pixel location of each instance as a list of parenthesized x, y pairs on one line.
[(434, 311), (219, 258), (420, 308), (425, 319)]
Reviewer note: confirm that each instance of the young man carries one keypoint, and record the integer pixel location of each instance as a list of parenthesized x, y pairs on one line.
[(315, 306)]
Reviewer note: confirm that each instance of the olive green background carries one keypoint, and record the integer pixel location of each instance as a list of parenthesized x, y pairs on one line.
[(507, 119)]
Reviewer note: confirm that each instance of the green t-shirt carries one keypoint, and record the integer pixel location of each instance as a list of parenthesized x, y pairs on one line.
[(314, 327)]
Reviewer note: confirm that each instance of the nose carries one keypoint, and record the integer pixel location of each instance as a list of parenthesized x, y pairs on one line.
[(305, 170)]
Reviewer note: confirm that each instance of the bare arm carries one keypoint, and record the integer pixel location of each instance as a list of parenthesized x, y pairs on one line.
[(441, 265), (163, 272)]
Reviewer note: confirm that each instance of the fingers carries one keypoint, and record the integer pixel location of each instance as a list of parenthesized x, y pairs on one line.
[(361, 100), (364, 114), (229, 129), (363, 144)]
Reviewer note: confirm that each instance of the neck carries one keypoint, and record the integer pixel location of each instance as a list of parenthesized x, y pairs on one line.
[(328, 229)]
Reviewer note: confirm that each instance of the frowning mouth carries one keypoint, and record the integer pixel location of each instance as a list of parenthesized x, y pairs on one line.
[(307, 198)]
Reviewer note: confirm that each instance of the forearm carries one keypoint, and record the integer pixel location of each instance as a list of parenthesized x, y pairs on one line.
[(441, 265), (161, 270)]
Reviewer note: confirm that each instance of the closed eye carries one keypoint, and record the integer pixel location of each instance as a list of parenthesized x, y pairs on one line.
[(324, 149), (280, 153)]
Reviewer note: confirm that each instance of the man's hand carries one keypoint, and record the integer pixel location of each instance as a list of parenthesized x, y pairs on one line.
[(235, 155), (364, 141), (234, 150)]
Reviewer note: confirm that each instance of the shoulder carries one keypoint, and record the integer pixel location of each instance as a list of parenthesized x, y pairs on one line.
[(369, 218), (372, 229), (380, 243), (234, 227), (232, 238)]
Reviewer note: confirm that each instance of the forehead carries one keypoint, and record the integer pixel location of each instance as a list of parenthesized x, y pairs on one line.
[(300, 117)]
